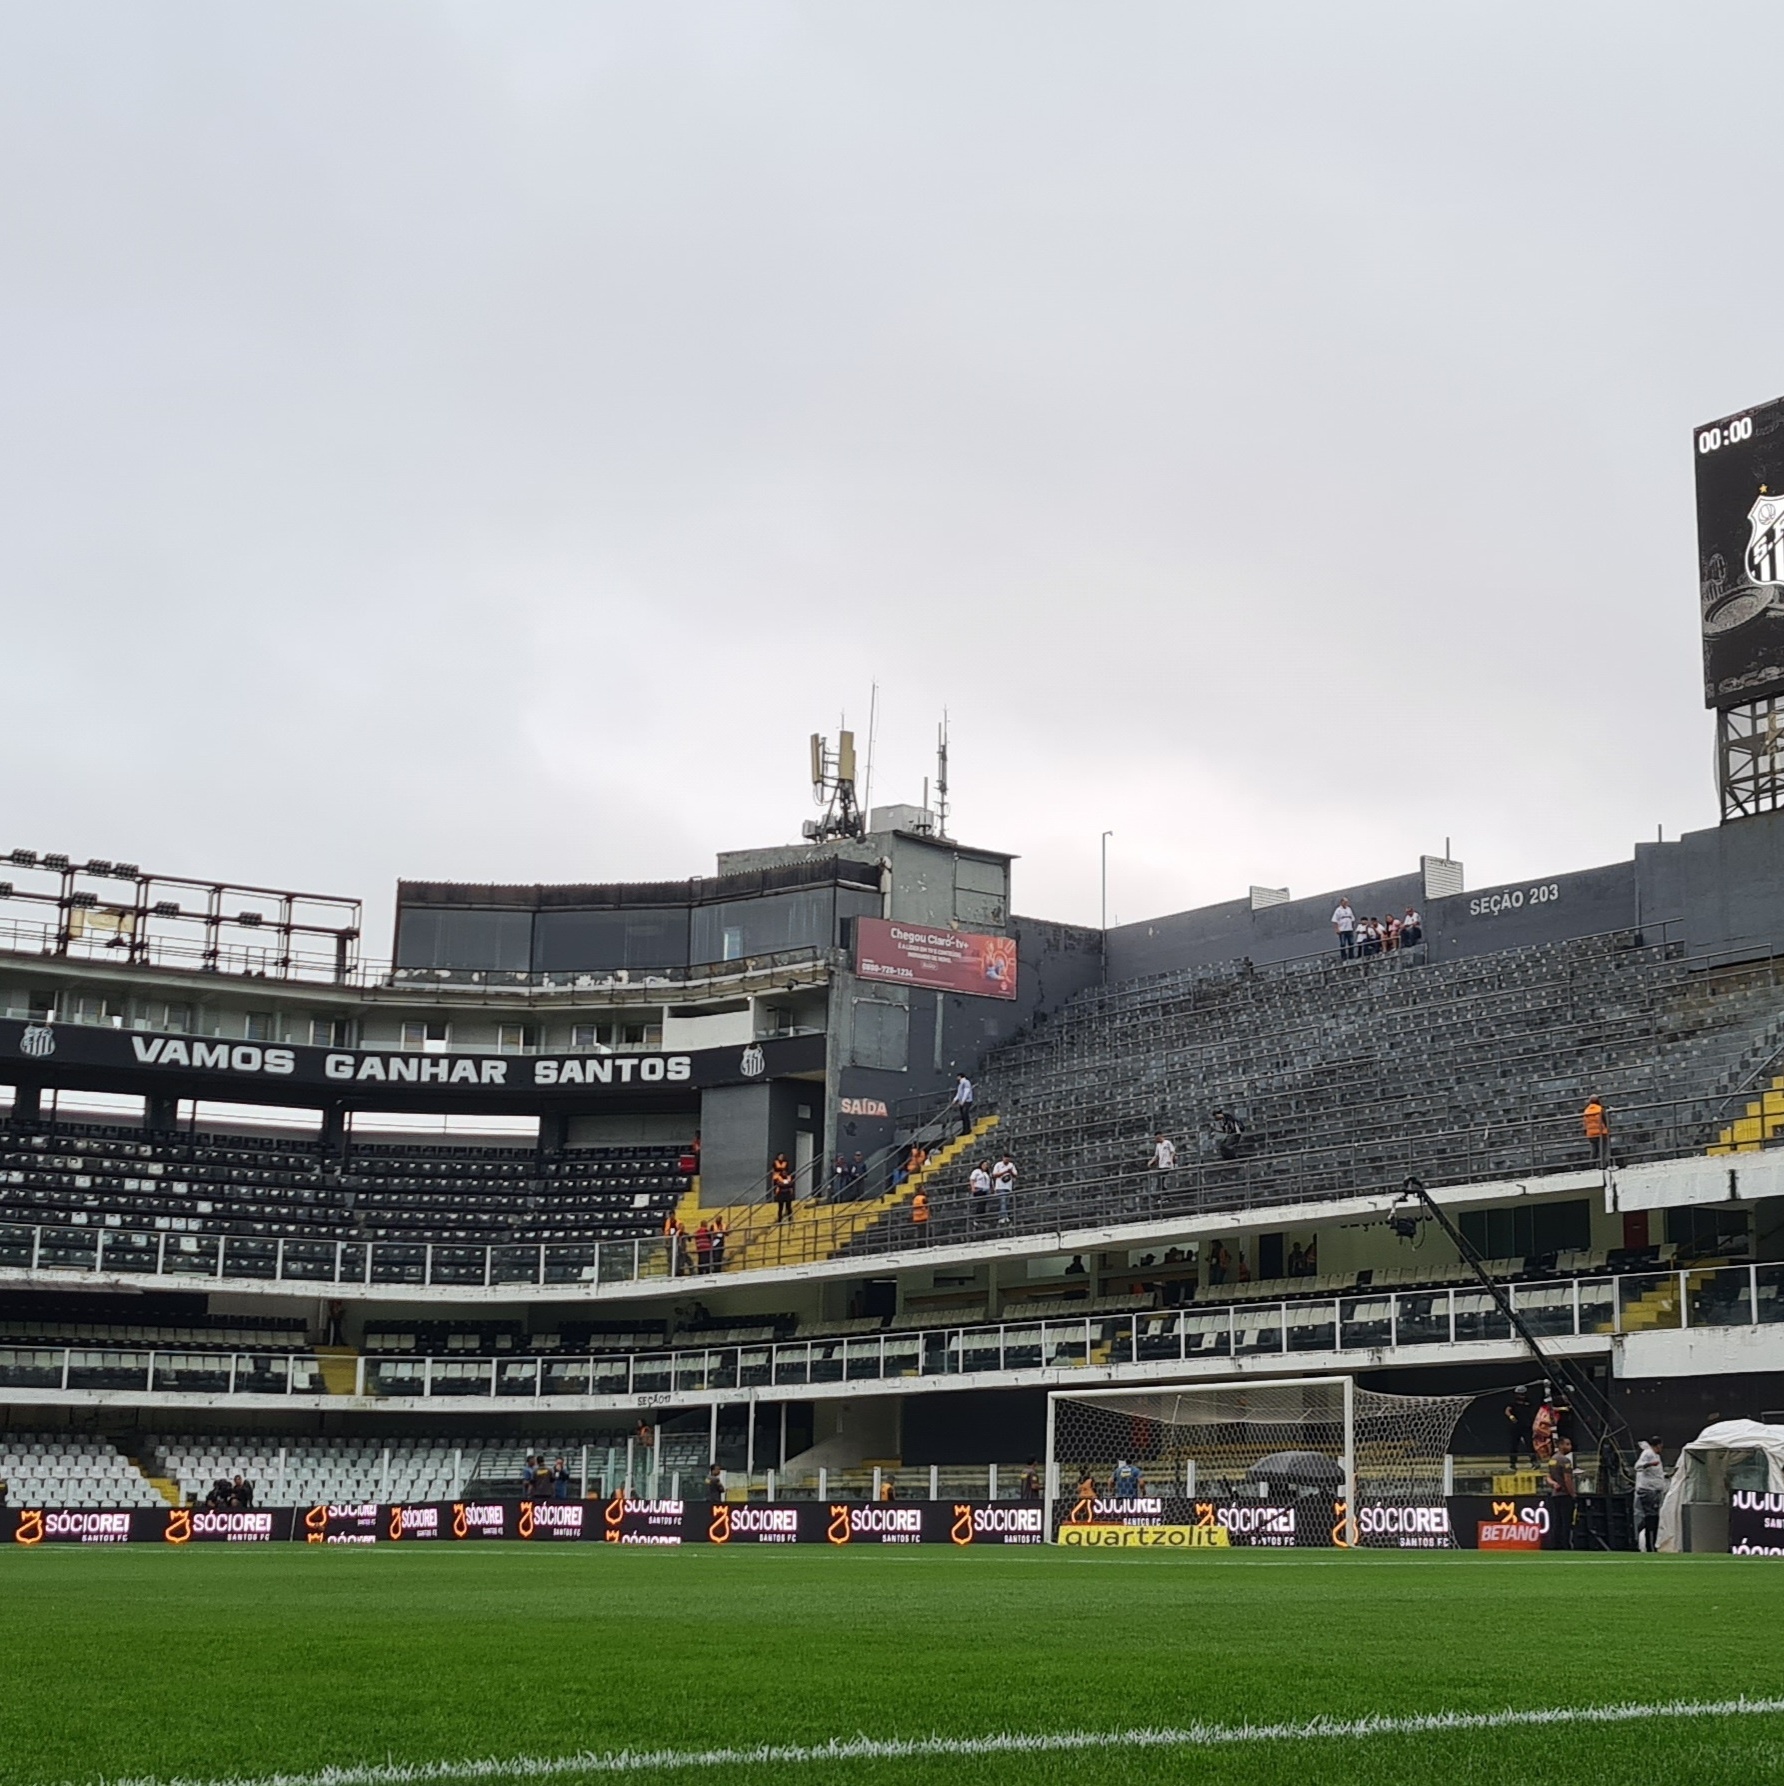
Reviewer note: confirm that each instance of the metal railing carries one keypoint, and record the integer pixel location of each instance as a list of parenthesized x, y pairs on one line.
[(1401, 1321), (277, 961)]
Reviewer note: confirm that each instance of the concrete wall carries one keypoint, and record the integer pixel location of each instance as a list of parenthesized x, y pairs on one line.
[(1720, 890)]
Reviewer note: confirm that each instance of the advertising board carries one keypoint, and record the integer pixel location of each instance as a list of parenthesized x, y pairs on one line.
[(1740, 553), (947, 960), (263, 1073), (31, 1526), (1168, 1521), (1756, 1523)]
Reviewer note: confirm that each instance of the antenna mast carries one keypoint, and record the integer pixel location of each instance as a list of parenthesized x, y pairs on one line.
[(941, 776), (833, 788), (873, 725)]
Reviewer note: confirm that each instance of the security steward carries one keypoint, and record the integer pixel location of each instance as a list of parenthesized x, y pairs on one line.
[(920, 1214), (1596, 1121), (780, 1187)]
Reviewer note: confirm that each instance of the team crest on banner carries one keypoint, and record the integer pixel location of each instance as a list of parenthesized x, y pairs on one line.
[(37, 1041), (753, 1064), (1765, 549)]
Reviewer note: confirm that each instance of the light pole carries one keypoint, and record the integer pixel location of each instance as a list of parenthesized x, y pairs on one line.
[(1106, 836)]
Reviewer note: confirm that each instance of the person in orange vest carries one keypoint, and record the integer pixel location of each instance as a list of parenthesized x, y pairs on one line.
[(780, 1187), (920, 1214), (1596, 1121)]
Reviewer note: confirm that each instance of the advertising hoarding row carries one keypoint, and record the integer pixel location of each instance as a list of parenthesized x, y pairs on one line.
[(1173, 1522), (617, 1521), (946, 960)]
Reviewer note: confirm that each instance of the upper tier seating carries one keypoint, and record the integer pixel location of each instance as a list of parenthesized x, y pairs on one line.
[(278, 1188), (1347, 1076)]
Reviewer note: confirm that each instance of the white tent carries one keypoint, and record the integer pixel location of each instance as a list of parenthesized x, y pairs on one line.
[(1729, 1455)]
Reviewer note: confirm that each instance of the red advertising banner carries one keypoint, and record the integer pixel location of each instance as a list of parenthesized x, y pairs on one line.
[(949, 960)]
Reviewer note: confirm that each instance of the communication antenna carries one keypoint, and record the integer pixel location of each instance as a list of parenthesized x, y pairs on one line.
[(941, 776), (873, 726), (833, 788)]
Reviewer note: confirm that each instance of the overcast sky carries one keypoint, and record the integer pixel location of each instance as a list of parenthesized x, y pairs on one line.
[(483, 442)]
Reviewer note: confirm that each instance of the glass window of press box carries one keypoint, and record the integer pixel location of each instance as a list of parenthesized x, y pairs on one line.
[(638, 939), (1529, 1231), (461, 937)]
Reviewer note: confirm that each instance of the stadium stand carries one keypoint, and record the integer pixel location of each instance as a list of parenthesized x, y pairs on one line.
[(304, 1471), (1346, 1075), (53, 1470), (91, 1174)]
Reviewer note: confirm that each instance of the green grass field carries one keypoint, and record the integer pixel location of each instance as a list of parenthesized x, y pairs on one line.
[(227, 1664)]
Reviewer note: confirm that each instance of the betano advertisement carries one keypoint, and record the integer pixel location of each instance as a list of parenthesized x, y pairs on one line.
[(948, 960)]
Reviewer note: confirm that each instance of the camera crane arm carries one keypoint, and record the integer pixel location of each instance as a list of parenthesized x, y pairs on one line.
[(1583, 1395)]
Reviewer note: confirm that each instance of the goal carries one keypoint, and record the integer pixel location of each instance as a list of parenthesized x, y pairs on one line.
[(1319, 1446)]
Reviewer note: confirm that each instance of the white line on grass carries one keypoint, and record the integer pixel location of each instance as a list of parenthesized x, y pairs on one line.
[(896, 1748)]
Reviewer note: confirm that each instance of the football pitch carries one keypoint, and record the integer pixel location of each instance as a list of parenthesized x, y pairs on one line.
[(581, 1661)]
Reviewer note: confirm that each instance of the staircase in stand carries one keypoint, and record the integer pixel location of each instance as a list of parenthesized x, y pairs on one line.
[(757, 1241)]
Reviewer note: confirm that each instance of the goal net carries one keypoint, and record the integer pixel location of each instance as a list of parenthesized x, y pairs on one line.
[(1310, 1460)]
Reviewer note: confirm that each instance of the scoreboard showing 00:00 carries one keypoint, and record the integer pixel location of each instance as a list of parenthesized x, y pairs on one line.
[(1710, 440), (1739, 465)]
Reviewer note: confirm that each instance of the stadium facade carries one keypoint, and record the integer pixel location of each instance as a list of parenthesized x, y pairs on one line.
[(246, 1215), (667, 1177)]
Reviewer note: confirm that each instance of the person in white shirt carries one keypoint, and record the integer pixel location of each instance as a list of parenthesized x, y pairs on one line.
[(963, 1103), (1344, 921), (979, 1180), (1003, 1181), (1164, 1159), (1412, 927), (1650, 1491)]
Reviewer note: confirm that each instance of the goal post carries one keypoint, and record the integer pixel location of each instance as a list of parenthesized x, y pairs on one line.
[(1314, 1445)]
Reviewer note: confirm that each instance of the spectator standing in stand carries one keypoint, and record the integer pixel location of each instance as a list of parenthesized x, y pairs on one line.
[(1595, 1119), (560, 1480), (1412, 928), (1344, 923), (839, 1180), (979, 1183), (528, 1472), (963, 1103), (1031, 1481), (715, 1484), (1164, 1160), (702, 1249), (1003, 1182), (1650, 1491), (920, 1215), (780, 1187), (720, 1228)]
